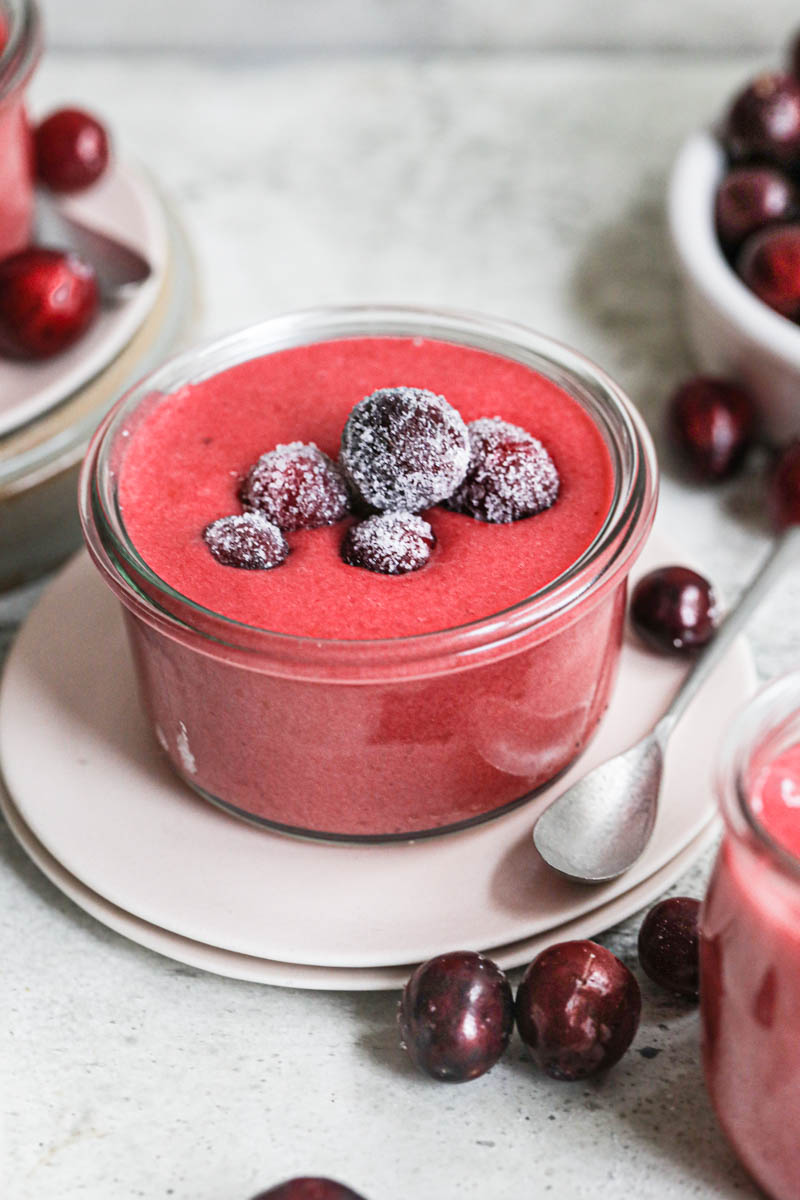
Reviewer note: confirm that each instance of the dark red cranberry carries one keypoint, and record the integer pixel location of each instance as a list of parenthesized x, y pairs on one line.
[(711, 422), (48, 299), (456, 1016), (674, 610), (510, 474), (769, 263), (764, 121), (71, 149), (669, 945), (404, 449), (784, 490), (390, 543), (750, 198), (297, 487), (577, 1009), (247, 540), (309, 1188)]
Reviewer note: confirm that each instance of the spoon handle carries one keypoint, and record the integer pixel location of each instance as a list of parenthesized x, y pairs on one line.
[(785, 549)]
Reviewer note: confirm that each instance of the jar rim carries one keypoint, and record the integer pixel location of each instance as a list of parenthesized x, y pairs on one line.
[(23, 44), (627, 523), (759, 724)]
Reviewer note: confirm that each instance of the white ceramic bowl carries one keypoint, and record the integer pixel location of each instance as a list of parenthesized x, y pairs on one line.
[(732, 333)]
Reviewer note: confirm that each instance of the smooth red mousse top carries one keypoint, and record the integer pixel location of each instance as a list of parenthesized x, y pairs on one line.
[(776, 799), (185, 458)]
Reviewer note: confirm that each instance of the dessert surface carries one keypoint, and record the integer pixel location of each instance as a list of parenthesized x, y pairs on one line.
[(188, 455)]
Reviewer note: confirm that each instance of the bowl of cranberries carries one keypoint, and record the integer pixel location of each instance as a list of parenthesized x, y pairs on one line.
[(734, 217)]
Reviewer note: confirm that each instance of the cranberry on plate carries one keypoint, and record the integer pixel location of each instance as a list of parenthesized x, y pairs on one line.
[(748, 199), (769, 263), (48, 299), (71, 150), (711, 424), (577, 1009), (763, 123), (456, 1016), (669, 951), (309, 1188), (674, 610), (784, 489)]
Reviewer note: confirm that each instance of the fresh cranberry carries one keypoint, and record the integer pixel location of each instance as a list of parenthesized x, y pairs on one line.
[(750, 198), (308, 1188), (784, 491), (71, 149), (404, 449), (297, 487), (247, 540), (711, 423), (764, 121), (456, 1016), (674, 610), (510, 474), (577, 1009), (389, 543), (48, 299), (769, 263), (669, 945)]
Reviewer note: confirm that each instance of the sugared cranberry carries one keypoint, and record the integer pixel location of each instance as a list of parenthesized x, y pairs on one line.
[(71, 149), (456, 1016), (764, 121), (247, 540), (669, 945), (577, 1009), (769, 263), (711, 423), (784, 490), (297, 487), (510, 474), (308, 1188), (389, 543), (674, 610), (404, 449), (48, 299), (750, 198)]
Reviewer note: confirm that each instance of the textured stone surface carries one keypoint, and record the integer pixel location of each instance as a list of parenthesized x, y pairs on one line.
[(528, 186)]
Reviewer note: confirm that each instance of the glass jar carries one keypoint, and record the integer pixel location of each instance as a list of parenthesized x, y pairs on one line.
[(750, 954), (20, 45), (394, 737)]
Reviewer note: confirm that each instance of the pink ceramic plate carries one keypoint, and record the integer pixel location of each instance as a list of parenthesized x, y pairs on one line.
[(125, 205), (92, 787)]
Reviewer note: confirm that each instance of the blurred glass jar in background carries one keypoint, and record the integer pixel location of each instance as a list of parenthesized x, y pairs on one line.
[(20, 45)]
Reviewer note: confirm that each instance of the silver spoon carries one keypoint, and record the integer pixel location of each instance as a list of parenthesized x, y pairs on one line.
[(118, 267), (597, 829)]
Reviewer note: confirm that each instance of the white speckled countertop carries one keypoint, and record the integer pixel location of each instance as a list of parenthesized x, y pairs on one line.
[(529, 185)]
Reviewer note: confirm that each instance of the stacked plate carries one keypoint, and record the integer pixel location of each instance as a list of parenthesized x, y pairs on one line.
[(100, 812), (48, 410)]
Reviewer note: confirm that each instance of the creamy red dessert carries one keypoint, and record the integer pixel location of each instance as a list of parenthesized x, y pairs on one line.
[(16, 158), (186, 459), (750, 979), (312, 690)]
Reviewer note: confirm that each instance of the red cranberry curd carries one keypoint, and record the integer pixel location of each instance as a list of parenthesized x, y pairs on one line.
[(19, 45), (750, 961), (185, 462), (326, 668)]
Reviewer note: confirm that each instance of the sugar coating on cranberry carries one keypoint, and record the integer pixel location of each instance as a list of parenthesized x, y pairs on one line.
[(764, 120), (389, 543), (404, 449), (247, 540), (510, 474), (309, 1188), (297, 487)]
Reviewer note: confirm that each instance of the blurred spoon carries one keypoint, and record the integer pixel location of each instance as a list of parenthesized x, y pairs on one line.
[(598, 828), (118, 267)]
